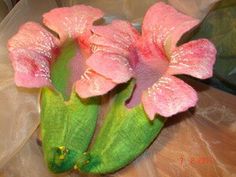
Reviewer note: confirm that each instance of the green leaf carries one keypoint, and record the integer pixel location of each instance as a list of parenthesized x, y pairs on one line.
[(125, 134), (219, 26), (67, 128)]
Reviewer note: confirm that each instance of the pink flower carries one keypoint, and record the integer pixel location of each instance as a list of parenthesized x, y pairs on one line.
[(115, 53), (34, 49), (120, 53)]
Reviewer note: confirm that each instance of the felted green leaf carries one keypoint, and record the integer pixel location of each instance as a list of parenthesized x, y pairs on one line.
[(219, 26), (125, 134), (67, 123), (67, 128)]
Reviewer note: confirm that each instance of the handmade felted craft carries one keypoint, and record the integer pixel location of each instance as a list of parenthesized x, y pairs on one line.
[(75, 62)]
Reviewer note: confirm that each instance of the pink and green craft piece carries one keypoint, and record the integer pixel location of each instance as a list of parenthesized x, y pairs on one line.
[(77, 64)]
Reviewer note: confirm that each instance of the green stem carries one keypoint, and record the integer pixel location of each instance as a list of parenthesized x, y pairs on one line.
[(67, 128), (125, 134)]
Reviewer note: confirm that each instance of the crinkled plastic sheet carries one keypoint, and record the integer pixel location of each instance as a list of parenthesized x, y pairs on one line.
[(200, 142), (134, 10), (3, 9)]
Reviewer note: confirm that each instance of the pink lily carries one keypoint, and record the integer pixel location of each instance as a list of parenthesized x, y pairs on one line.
[(153, 59)]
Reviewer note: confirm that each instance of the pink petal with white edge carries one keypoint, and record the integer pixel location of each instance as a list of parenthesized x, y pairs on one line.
[(92, 84), (119, 31), (195, 58), (161, 20), (31, 52), (112, 66), (118, 37), (173, 38), (33, 36), (72, 22), (168, 96)]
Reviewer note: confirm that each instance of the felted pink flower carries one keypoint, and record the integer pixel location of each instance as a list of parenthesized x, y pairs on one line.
[(153, 59), (34, 49)]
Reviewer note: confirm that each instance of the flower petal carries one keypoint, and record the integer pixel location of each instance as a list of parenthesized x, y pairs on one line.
[(195, 58), (161, 20), (118, 37), (173, 38), (112, 66), (31, 51), (72, 22), (33, 36), (113, 50), (168, 96), (93, 84), (31, 69)]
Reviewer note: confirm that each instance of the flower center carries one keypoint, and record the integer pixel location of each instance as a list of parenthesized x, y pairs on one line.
[(68, 67), (151, 66)]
